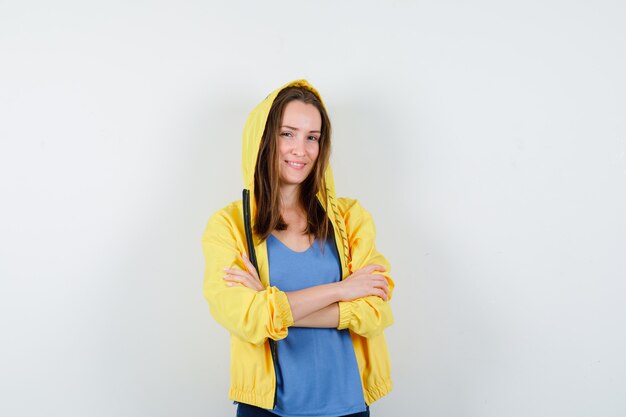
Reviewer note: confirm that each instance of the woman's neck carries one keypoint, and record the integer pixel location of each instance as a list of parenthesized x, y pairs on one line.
[(293, 214), (290, 197)]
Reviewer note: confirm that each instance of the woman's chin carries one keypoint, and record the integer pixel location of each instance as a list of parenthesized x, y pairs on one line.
[(293, 179)]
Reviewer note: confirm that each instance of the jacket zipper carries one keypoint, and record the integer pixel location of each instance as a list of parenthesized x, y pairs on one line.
[(253, 260)]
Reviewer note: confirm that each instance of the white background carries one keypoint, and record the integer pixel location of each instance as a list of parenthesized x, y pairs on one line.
[(488, 139)]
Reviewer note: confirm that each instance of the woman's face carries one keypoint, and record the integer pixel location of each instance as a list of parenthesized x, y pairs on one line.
[(298, 142)]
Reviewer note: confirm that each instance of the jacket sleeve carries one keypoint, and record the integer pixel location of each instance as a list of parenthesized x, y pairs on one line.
[(250, 315), (367, 316)]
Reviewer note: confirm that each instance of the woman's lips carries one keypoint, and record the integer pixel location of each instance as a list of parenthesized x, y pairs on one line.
[(296, 165)]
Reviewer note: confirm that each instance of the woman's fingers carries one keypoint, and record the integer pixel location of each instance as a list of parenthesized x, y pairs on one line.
[(238, 272), (382, 294), (380, 279), (247, 281), (233, 278), (367, 270), (366, 285), (378, 284), (375, 281), (249, 265), (249, 278), (371, 268)]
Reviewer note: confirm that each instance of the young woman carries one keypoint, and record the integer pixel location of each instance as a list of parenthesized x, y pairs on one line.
[(292, 272)]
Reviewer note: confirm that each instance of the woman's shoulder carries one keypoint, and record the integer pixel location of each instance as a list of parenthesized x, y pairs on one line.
[(353, 211), (347, 205), (234, 207), (228, 216), (357, 219)]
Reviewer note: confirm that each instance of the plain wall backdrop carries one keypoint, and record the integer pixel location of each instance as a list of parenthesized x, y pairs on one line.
[(488, 140)]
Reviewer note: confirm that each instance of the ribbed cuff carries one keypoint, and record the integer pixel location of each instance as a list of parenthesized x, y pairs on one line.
[(345, 314), (283, 310)]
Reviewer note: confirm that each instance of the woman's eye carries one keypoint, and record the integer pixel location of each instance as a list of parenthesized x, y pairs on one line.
[(287, 134), (313, 138)]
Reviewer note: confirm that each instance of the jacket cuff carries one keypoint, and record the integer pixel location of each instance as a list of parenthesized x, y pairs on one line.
[(345, 314), (283, 315)]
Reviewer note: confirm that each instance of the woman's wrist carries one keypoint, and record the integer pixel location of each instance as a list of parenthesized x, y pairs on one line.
[(337, 290), (327, 317), (306, 301)]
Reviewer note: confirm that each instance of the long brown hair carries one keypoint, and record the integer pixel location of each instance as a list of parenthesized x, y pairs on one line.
[(267, 177)]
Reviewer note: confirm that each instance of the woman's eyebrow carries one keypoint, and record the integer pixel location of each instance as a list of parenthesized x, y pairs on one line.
[(295, 128)]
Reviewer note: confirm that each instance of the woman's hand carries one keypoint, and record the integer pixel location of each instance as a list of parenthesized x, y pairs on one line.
[(249, 278), (363, 283)]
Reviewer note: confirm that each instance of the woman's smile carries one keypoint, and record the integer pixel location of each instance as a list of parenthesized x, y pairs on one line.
[(296, 165)]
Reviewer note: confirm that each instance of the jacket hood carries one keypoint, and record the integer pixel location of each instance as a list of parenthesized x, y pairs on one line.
[(253, 132)]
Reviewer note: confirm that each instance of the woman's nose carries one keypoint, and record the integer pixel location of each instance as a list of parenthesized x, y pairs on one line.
[(298, 147)]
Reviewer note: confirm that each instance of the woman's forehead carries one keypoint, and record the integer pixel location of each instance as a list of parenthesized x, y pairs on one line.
[(301, 116)]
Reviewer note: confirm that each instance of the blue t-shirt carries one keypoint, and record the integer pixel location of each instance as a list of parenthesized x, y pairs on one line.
[(317, 372)]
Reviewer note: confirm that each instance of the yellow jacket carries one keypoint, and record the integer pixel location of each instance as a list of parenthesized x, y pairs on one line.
[(254, 317)]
